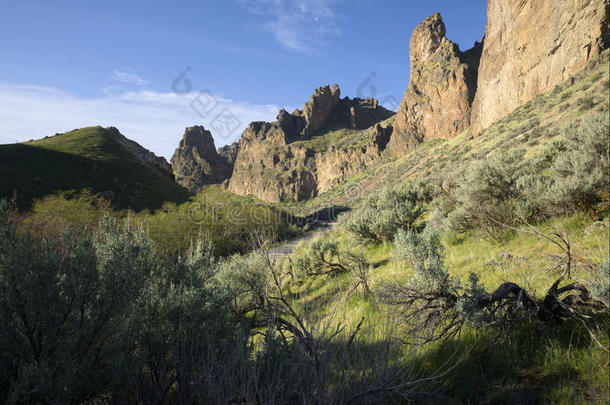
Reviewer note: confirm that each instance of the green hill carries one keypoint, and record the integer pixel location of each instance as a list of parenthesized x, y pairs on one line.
[(94, 158)]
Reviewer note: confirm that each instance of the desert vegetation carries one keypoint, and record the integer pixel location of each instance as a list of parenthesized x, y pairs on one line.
[(453, 252), (100, 305)]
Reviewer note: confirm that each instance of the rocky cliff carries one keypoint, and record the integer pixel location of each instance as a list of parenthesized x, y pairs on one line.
[(441, 88), (531, 46), (196, 162), (308, 151)]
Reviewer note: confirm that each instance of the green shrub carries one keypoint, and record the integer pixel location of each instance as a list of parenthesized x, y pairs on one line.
[(380, 216), (80, 211), (488, 194), (581, 173), (600, 285), (102, 315), (225, 219), (65, 311)]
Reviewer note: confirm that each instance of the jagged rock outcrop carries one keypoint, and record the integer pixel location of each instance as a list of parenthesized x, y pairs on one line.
[(319, 108), (229, 152), (531, 46), (276, 162), (142, 154), (441, 88), (196, 163)]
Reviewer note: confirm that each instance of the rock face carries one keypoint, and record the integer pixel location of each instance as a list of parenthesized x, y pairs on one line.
[(196, 163), (281, 160), (229, 152), (531, 46), (441, 88), (319, 108)]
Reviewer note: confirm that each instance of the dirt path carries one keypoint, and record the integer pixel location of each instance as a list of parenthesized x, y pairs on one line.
[(287, 248)]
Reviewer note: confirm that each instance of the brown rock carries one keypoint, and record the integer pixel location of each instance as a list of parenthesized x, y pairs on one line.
[(229, 152), (531, 46), (319, 108), (441, 88), (196, 162), (273, 166)]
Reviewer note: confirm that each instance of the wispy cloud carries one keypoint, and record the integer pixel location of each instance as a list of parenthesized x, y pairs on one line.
[(127, 77), (155, 120), (301, 25)]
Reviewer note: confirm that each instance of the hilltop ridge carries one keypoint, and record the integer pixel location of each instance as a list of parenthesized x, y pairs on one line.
[(97, 159)]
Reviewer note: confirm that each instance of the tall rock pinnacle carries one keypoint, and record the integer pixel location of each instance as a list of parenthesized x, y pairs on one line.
[(441, 88), (196, 162)]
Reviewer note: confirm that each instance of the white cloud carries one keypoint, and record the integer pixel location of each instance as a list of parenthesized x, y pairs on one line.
[(301, 25), (154, 120), (127, 77)]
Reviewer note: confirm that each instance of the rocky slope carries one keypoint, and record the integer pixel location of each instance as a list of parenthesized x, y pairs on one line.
[(304, 153), (144, 155), (531, 46), (441, 88), (196, 162)]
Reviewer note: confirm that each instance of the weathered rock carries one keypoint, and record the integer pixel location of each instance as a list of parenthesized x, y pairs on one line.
[(196, 163), (273, 166), (319, 108), (441, 88), (229, 152), (531, 46), (142, 154)]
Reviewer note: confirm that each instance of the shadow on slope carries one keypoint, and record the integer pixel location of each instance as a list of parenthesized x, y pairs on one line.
[(88, 158)]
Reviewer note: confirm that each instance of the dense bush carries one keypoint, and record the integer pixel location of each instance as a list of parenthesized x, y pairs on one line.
[(65, 320), (488, 194), (581, 173), (222, 218), (83, 318), (568, 175), (381, 215), (81, 211), (102, 317), (600, 283)]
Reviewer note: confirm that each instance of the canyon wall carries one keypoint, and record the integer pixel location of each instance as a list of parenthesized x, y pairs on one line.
[(531, 46), (306, 152)]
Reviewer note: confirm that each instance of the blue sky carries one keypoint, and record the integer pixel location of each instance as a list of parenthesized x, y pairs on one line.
[(68, 64)]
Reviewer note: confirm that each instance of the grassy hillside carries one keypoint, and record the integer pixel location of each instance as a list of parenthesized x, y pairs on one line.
[(529, 128), (88, 158), (534, 362)]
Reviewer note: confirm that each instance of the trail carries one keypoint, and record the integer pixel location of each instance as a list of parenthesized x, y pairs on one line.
[(287, 248)]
